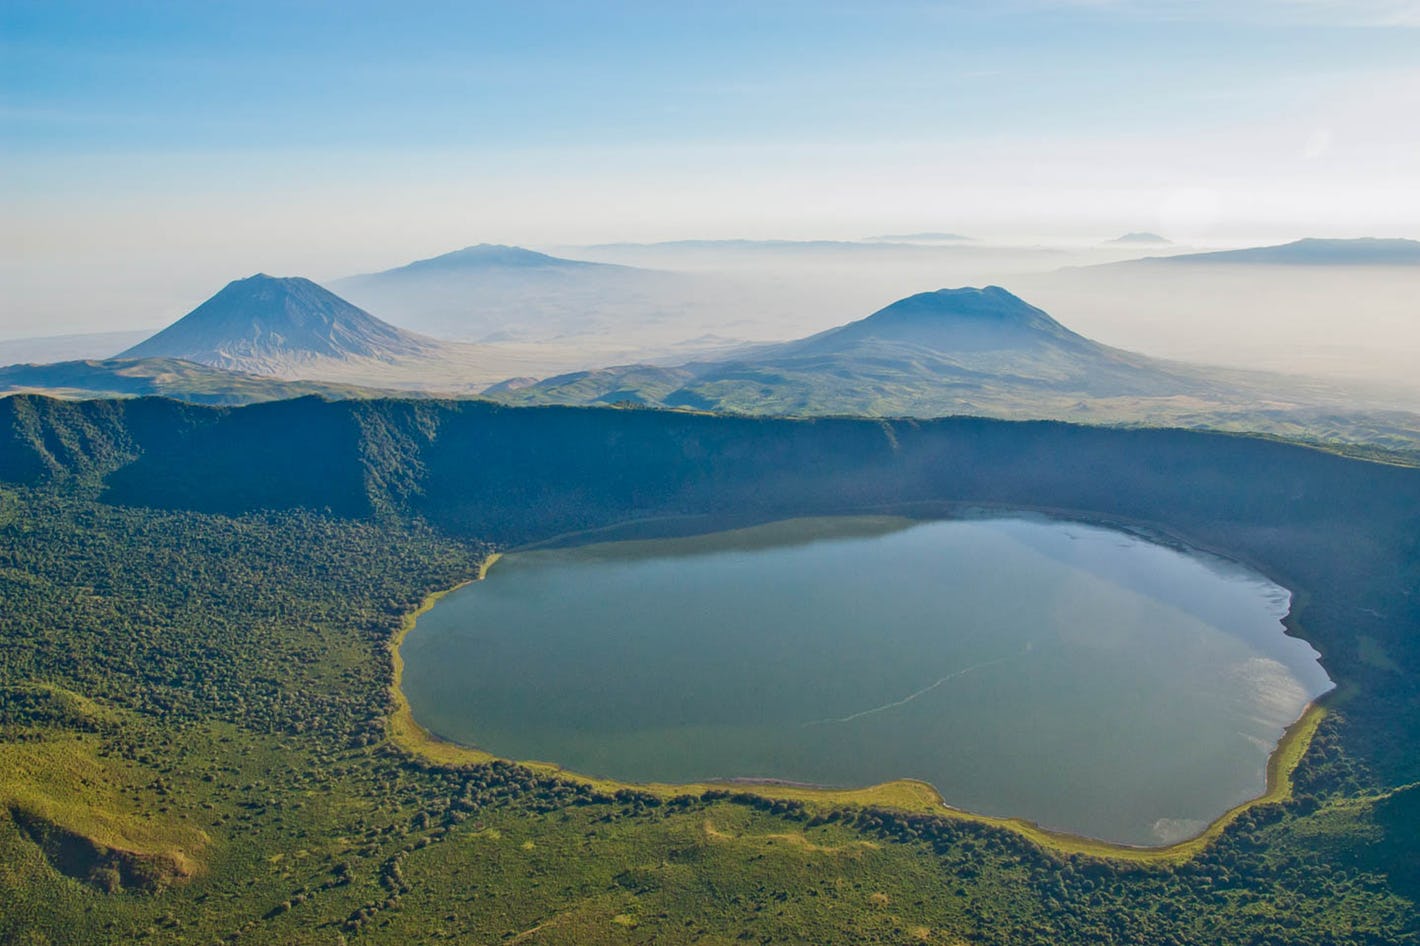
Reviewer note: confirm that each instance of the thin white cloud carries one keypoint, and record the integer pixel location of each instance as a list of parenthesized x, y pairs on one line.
[(1352, 12), (1347, 13)]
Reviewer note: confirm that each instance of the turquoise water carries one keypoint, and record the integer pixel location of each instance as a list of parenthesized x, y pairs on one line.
[(1078, 676)]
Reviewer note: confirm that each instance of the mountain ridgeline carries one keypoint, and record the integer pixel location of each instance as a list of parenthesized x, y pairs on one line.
[(518, 474), (280, 326)]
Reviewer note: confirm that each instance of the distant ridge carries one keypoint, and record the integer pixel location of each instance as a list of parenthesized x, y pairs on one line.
[(276, 325), (927, 237), (481, 256), (877, 245), (1141, 238), (1365, 251), (75, 347)]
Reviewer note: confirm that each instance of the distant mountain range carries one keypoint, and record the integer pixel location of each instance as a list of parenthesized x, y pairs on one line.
[(281, 326), (78, 347), (1366, 251), (951, 352), (871, 245)]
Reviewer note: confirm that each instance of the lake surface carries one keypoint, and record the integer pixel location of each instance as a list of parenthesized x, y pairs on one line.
[(1081, 677)]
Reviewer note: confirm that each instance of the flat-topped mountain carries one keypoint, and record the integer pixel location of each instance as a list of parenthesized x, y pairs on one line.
[(1143, 238), (482, 256), (501, 293), (1365, 251), (279, 326)]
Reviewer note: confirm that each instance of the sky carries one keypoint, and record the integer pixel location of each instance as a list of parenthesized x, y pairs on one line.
[(150, 152)]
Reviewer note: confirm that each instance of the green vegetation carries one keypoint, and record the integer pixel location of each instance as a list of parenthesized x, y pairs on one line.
[(195, 688), (166, 377)]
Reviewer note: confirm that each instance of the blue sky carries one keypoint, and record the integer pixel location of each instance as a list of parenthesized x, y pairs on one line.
[(156, 77), (333, 136)]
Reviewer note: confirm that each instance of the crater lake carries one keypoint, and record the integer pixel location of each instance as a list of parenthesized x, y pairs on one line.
[(1086, 678)]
